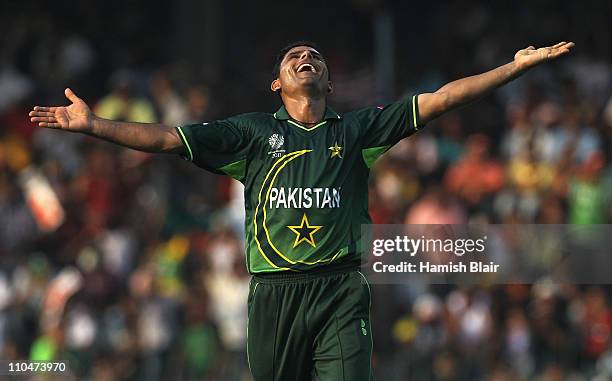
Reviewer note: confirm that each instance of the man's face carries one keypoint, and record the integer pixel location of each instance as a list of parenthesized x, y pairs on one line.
[(303, 70)]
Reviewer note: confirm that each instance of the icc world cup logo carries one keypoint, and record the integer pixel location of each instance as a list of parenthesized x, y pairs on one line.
[(276, 141)]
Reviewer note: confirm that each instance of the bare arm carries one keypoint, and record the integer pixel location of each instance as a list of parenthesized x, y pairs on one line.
[(77, 117), (148, 137), (466, 90)]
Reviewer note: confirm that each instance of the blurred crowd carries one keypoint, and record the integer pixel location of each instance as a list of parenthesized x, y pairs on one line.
[(139, 272)]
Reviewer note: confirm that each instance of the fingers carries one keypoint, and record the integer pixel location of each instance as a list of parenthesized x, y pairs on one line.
[(551, 52), (46, 119), (562, 48), (41, 113), (560, 45), (49, 125), (563, 45), (44, 116), (71, 95), (45, 109), (567, 46)]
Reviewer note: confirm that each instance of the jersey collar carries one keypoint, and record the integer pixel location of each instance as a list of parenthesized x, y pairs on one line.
[(282, 114)]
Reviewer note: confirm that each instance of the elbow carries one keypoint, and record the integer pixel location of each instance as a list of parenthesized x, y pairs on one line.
[(432, 105), (437, 104), (170, 142), (443, 102)]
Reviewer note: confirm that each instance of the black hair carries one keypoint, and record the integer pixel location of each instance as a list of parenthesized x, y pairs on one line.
[(281, 54)]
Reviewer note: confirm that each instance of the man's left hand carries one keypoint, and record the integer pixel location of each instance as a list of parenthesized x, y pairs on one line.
[(530, 57)]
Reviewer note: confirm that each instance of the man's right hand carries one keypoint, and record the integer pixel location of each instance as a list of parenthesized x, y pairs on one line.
[(76, 118)]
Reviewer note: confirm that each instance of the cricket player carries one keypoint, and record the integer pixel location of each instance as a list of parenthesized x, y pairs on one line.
[(305, 170)]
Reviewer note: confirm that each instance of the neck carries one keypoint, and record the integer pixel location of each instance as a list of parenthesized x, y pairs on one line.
[(305, 110)]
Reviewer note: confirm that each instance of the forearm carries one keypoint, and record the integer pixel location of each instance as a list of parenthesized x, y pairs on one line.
[(147, 137), (466, 90)]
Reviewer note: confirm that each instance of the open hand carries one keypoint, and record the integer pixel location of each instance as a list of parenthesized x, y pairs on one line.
[(77, 117), (531, 56)]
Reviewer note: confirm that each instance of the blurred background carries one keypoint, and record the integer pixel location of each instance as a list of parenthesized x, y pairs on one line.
[(130, 265)]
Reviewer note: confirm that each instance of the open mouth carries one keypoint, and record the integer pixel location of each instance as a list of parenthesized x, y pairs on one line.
[(306, 67)]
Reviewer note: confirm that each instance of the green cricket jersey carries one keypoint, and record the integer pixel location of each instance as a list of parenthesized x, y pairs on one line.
[(306, 188)]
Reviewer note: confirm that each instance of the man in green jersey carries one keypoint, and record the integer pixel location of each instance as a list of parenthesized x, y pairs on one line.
[(305, 170)]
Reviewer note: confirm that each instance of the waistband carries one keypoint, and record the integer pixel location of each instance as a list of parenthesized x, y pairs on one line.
[(302, 276)]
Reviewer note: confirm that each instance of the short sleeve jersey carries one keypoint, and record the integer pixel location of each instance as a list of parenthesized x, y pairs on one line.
[(306, 188)]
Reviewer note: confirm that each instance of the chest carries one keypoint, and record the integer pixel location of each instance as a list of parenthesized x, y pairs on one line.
[(332, 141)]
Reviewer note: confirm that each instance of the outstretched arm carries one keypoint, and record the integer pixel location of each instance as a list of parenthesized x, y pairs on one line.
[(77, 117), (465, 90)]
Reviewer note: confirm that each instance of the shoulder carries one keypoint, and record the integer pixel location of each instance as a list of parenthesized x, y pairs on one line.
[(358, 113), (250, 123), (252, 118), (362, 116)]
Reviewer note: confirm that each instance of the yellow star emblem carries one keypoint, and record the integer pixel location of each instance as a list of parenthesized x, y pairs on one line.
[(304, 232), (336, 150)]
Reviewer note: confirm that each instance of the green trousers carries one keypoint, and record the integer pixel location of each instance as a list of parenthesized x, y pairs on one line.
[(310, 327)]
